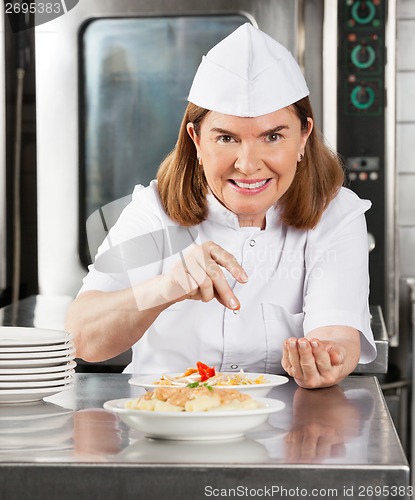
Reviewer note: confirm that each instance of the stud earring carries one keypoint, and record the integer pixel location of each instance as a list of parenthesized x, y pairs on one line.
[(301, 157)]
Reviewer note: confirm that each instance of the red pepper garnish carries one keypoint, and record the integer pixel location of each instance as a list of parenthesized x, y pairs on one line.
[(205, 371)]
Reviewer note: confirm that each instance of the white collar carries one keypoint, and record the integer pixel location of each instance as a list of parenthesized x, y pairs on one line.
[(219, 214)]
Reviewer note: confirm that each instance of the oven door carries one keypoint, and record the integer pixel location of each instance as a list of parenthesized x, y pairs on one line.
[(111, 85)]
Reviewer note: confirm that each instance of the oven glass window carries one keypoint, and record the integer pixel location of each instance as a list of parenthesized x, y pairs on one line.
[(136, 75)]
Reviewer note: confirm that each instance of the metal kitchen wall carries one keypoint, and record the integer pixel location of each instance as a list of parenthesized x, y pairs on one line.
[(405, 163)]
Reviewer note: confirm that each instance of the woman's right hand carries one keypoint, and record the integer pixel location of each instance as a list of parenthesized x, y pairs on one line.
[(95, 317), (199, 276)]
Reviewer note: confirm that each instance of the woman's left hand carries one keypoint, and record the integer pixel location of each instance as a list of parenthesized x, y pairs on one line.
[(314, 362)]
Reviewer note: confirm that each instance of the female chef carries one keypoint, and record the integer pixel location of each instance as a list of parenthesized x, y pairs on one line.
[(246, 252)]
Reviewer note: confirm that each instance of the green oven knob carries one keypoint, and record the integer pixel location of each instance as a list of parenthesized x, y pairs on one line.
[(363, 56), (362, 97), (363, 12)]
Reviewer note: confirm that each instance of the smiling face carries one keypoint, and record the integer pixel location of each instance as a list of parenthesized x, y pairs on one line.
[(249, 163)]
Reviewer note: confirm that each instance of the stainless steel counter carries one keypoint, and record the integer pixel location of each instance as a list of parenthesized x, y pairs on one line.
[(49, 312), (337, 442)]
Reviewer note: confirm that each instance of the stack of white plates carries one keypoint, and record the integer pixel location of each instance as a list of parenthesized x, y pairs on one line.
[(34, 363)]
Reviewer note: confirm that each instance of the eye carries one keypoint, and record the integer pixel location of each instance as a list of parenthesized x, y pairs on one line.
[(225, 138), (274, 137)]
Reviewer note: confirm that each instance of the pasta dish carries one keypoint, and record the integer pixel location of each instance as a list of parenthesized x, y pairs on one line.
[(193, 399)]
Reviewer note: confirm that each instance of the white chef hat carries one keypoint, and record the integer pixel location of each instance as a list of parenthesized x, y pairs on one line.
[(247, 74)]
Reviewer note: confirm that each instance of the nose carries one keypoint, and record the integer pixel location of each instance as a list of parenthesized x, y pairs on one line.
[(248, 161)]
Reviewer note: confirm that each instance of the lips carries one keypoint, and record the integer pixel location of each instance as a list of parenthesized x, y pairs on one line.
[(249, 186)]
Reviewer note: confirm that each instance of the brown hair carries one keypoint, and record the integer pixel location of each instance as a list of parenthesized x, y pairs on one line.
[(183, 187)]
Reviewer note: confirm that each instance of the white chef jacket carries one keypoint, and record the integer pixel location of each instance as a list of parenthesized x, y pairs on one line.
[(299, 280)]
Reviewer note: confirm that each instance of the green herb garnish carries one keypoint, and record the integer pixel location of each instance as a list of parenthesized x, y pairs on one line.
[(192, 385)]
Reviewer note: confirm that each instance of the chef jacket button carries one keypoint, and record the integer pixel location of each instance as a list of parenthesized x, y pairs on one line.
[(234, 367), (252, 243)]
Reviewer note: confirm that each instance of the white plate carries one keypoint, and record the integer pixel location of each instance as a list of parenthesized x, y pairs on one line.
[(26, 395), (184, 426), (38, 370), (26, 336), (256, 390), (26, 363), (18, 356), (29, 377), (35, 348), (66, 379)]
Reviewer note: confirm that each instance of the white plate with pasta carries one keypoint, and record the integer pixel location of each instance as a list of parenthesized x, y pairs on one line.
[(255, 384), (195, 425)]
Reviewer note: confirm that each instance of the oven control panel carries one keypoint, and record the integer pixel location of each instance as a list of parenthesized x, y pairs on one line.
[(361, 99)]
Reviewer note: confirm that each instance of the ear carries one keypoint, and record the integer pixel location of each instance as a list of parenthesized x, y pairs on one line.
[(195, 138), (305, 134), (192, 133)]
